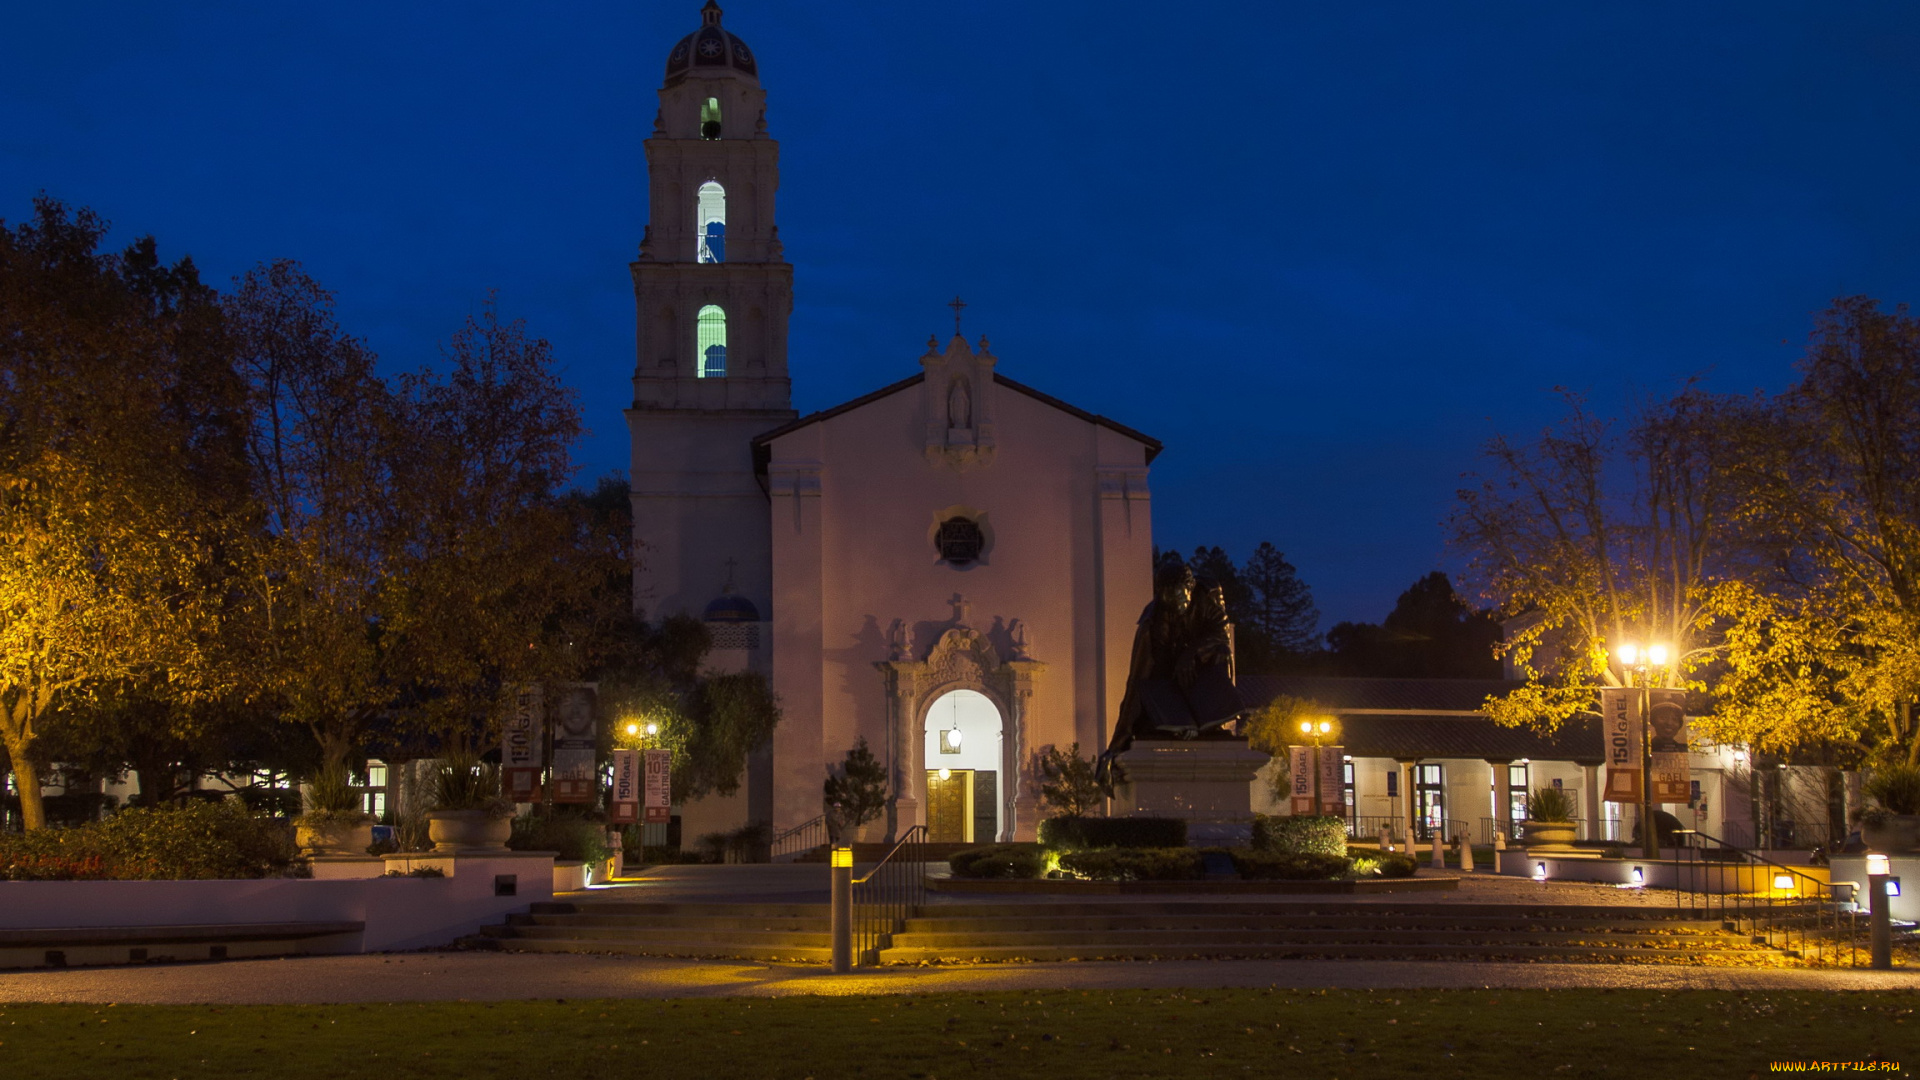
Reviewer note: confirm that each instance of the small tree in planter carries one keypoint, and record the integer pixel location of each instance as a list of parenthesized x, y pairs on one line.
[(1892, 825), (856, 794), (1068, 783), (468, 809), (1550, 821), (334, 823)]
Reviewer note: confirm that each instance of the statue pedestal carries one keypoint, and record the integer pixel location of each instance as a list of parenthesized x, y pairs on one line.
[(1208, 782)]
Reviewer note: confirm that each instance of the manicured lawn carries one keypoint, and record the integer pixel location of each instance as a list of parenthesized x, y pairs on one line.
[(1061, 1034)]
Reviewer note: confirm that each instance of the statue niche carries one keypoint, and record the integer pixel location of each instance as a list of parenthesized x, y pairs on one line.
[(1180, 680)]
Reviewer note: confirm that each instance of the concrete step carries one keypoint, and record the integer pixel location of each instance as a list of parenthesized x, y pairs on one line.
[(642, 909), (99, 945), (1481, 924), (1355, 951), (805, 954), (1290, 909), (682, 922), (674, 936), (1310, 938)]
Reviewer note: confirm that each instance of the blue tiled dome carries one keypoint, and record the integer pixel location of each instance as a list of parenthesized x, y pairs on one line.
[(731, 608), (710, 47)]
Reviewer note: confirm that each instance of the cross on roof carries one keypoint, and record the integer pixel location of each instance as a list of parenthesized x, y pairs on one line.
[(956, 305)]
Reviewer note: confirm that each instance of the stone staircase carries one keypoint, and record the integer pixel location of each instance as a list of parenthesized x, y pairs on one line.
[(1140, 930)]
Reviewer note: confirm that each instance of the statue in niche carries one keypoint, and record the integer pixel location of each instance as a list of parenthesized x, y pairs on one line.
[(1180, 678), (959, 406), (1017, 640), (900, 640)]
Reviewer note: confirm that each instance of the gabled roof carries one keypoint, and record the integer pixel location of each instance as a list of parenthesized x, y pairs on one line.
[(1393, 695), (1410, 719), (1152, 444)]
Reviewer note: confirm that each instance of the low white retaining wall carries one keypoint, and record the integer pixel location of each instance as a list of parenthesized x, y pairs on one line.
[(1906, 906), (1656, 873), (399, 913)]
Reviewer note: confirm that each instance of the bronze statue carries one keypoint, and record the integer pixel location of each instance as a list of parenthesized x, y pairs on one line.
[(1180, 681)]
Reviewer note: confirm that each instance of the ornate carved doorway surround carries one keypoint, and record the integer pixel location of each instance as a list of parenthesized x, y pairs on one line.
[(962, 659)]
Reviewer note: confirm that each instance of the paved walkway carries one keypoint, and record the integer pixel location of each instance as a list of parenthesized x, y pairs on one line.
[(515, 976)]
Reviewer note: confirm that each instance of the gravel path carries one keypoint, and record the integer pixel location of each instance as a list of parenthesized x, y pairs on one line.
[(514, 976)]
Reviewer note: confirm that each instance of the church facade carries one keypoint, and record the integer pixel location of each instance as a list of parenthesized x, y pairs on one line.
[(949, 568)]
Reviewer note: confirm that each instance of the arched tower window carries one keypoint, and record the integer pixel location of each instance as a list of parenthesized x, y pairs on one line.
[(710, 223), (710, 119), (712, 341)]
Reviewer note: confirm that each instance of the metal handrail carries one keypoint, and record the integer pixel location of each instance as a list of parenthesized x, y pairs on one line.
[(888, 895), (811, 835), (1807, 920)]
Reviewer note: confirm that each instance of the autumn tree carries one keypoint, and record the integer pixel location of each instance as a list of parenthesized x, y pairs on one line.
[(1823, 642), (319, 451), (117, 417), (1592, 536), (491, 579)]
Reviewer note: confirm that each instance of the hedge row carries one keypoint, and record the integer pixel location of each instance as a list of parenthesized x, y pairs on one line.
[(1076, 833), (1300, 835), (1177, 863), (198, 840), (1000, 861)]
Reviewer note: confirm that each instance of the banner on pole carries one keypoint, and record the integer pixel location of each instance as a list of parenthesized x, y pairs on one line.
[(626, 787), (522, 739), (1333, 786), (1620, 728), (1300, 774), (659, 787), (573, 745), (1671, 780)]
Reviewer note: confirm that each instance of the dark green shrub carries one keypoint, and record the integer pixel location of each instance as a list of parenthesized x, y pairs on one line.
[(1000, 861), (199, 840), (1290, 865), (1388, 864), (1080, 833), (1136, 864), (1300, 835), (574, 839)]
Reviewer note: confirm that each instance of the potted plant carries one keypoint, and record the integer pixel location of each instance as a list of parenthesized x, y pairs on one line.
[(469, 813), (1892, 827), (333, 823), (1550, 823)]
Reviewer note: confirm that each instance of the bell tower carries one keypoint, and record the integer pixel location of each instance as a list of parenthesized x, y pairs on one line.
[(712, 294)]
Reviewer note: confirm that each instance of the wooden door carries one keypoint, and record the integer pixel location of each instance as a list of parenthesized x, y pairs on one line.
[(949, 807)]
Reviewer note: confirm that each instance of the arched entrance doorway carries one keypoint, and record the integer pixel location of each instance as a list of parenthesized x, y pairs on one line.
[(964, 748)]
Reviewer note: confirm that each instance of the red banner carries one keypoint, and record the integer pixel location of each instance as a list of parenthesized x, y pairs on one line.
[(659, 786)]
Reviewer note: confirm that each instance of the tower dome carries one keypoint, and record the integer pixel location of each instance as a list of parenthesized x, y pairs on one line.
[(731, 607), (710, 50)]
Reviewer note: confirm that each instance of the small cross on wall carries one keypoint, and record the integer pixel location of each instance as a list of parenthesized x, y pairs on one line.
[(956, 304)]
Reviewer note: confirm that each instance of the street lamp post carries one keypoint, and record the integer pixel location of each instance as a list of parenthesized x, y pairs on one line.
[(1641, 662), (1317, 732)]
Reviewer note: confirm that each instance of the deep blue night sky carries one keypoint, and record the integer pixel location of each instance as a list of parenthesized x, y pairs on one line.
[(1321, 251)]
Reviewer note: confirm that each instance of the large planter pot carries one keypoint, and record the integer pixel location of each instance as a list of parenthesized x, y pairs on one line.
[(468, 830), (1550, 835), (334, 837), (1898, 835)]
